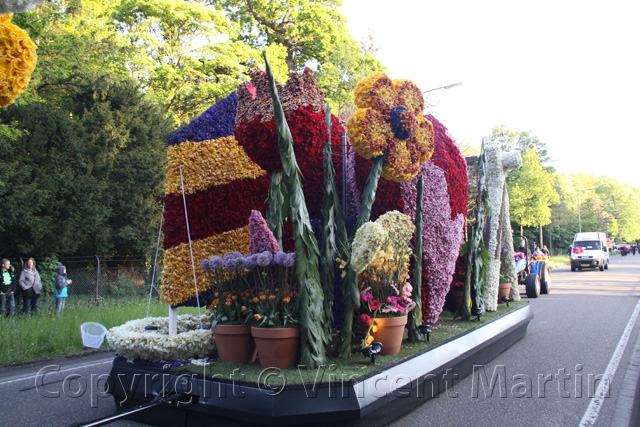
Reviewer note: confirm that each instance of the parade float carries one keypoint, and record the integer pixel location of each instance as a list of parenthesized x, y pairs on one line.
[(320, 255)]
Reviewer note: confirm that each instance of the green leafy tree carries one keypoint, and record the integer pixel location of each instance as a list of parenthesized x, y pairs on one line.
[(307, 29), (311, 33), (531, 193), (187, 55), (85, 179), (347, 63), (523, 141)]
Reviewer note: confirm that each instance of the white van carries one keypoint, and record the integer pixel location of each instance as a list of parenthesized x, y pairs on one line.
[(590, 250)]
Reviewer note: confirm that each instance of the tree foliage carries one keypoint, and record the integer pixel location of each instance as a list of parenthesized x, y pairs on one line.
[(532, 193), (86, 179), (524, 141)]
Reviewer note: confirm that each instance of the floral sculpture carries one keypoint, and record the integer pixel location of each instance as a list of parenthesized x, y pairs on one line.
[(389, 120), (380, 255), (229, 154), (17, 60), (207, 163), (445, 206), (498, 163)]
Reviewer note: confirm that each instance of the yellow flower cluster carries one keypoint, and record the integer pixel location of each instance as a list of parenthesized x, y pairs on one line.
[(389, 119), (206, 164), (368, 241), (177, 278), (17, 60), (399, 227)]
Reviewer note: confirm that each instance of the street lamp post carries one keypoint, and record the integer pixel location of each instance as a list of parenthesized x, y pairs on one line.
[(444, 87), (579, 219)]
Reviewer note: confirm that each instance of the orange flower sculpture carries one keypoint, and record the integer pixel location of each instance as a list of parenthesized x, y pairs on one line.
[(389, 119), (17, 60)]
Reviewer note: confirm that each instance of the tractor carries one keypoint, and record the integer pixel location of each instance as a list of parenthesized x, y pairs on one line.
[(532, 269)]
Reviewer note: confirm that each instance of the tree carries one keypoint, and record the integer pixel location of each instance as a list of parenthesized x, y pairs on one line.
[(307, 29), (347, 63), (532, 193), (311, 33), (86, 178), (187, 56), (522, 141)]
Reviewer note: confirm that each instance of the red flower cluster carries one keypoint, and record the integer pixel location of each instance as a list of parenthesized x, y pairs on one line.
[(302, 102), (213, 211), (447, 156)]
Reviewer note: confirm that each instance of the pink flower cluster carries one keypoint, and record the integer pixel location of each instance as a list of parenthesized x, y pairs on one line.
[(442, 239), (261, 237)]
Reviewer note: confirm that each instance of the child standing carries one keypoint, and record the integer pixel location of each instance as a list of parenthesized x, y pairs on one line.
[(61, 289), (7, 288)]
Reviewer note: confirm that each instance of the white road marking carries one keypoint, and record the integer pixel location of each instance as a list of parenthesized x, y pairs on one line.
[(591, 415), (30, 376)]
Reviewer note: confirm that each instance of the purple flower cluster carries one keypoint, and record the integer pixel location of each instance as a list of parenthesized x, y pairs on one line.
[(261, 237), (235, 261), (442, 239), (218, 121)]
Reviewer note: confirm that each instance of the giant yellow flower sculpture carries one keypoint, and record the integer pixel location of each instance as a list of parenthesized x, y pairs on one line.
[(17, 60), (389, 118)]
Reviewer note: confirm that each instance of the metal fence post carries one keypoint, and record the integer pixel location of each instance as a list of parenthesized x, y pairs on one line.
[(97, 277)]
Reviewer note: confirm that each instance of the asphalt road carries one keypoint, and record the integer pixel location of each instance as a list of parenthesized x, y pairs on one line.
[(571, 340), (545, 379)]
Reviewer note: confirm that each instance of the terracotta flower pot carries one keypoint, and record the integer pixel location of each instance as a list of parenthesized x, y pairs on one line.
[(503, 289), (277, 347), (235, 343), (390, 332)]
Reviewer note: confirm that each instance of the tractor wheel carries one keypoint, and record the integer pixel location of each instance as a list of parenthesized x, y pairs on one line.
[(545, 278), (606, 266), (532, 285), (601, 267), (573, 268)]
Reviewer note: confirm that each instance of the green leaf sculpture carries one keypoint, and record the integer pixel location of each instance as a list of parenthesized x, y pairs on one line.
[(312, 334)]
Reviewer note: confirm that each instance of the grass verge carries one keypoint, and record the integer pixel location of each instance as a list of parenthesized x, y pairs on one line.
[(559, 261), (26, 338)]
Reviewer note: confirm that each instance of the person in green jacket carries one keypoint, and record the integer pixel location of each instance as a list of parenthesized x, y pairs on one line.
[(7, 288)]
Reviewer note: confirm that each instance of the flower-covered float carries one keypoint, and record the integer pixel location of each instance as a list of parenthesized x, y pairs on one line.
[(256, 231)]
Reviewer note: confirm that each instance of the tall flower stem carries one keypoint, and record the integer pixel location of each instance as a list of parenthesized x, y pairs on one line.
[(276, 202), (415, 315), (329, 199), (350, 292), (312, 334)]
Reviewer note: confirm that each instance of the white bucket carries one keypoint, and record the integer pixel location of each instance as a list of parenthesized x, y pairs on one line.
[(92, 334)]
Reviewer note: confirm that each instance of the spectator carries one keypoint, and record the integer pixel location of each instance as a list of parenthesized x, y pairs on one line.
[(61, 289), (545, 250), (7, 288), (31, 286)]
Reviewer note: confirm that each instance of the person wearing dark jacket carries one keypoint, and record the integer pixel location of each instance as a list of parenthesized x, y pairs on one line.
[(7, 288), (61, 289), (31, 286)]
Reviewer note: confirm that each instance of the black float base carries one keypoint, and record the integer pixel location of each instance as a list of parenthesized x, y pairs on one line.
[(372, 400)]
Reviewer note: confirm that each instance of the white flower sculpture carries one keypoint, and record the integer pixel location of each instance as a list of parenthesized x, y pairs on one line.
[(498, 163), (132, 341)]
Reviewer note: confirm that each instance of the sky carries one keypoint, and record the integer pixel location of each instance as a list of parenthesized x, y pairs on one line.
[(567, 71)]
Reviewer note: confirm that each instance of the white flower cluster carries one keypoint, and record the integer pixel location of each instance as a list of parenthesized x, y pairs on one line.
[(10, 6), (133, 341)]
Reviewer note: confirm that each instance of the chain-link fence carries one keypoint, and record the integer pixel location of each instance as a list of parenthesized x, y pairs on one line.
[(99, 278)]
